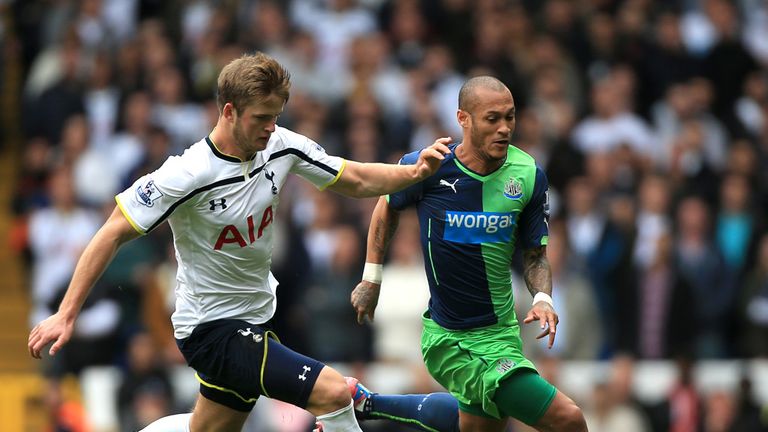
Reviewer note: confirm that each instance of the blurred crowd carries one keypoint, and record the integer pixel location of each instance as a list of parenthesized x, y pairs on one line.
[(649, 117)]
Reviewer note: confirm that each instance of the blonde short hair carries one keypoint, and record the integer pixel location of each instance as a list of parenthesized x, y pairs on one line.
[(250, 77)]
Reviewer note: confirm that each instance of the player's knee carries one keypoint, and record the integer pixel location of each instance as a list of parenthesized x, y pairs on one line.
[(338, 395), (329, 394), (563, 416), (571, 419)]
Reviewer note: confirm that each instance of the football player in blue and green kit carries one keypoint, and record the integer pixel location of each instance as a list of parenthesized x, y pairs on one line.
[(486, 199)]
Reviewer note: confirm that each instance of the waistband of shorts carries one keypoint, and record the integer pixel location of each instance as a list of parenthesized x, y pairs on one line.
[(433, 327)]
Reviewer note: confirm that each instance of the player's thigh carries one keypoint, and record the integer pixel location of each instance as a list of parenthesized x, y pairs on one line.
[(478, 423), (330, 393), (212, 416), (525, 396), (236, 362), (563, 415), (290, 376)]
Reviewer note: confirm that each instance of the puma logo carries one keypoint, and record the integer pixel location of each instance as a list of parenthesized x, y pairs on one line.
[(444, 182)]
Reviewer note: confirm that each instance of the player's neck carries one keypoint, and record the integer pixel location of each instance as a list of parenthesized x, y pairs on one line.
[(472, 159), (225, 143)]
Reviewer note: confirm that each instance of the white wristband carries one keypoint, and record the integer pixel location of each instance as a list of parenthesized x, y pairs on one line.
[(372, 273), (542, 296)]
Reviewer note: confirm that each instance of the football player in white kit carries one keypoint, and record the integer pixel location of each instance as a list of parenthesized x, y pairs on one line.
[(220, 198)]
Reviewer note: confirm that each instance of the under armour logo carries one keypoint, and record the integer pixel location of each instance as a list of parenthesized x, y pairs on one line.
[(444, 182), (219, 202), (271, 177), (303, 375)]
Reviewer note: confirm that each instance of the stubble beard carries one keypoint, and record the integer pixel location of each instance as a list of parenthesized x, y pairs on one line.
[(247, 145), (479, 142)]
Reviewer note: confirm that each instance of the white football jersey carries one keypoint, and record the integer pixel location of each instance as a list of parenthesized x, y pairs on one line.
[(221, 210)]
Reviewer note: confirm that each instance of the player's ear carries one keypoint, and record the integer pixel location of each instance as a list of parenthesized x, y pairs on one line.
[(463, 118), (228, 111)]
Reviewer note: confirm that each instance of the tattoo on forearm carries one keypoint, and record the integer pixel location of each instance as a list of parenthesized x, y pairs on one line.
[(383, 233), (536, 272), (378, 237)]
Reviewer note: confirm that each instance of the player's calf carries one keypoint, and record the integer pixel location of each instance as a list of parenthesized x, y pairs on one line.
[(424, 412)]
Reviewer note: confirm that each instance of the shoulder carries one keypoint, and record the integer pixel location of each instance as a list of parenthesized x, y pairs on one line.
[(412, 157), (521, 164), (286, 141), (524, 163), (285, 138), (187, 171), (519, 156)]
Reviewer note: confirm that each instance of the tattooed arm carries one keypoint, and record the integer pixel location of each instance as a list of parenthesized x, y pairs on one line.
[(536, 271), (383, 226), (384, 222), (538, 279)]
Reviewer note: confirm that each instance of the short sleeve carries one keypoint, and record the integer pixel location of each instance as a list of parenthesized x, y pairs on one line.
[(534, 220), (313, 163), (410, 195), (153, 197)]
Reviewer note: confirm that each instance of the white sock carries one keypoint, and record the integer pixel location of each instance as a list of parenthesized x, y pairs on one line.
[(342, 420), (174, 423)]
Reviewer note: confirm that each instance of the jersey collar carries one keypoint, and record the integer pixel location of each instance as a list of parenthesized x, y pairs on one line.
[(473, 174), (220, 155)]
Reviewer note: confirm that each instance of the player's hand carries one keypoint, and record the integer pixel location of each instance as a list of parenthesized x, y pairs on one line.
[(430, 157), (364, 299), (56, 328), (548, 319)]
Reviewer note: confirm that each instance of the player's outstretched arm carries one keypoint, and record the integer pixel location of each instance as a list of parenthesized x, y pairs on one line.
[(365, 296), (95, 258), (361, 180), (538, 279)]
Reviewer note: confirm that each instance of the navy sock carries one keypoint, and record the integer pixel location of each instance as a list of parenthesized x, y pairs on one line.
[(434, 412)]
